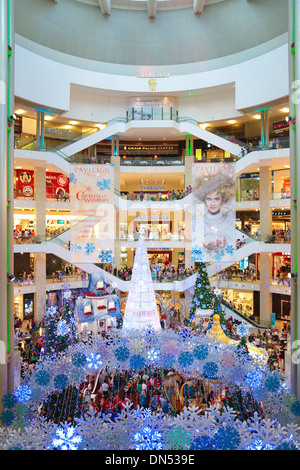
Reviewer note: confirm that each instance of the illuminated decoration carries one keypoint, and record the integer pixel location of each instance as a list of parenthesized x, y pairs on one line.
[(141, 309), (203, 299), (213, 212), (66, 439), (92, 224), (152, 82)]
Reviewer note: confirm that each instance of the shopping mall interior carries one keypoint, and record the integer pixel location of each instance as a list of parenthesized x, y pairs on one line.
[(149, 89)]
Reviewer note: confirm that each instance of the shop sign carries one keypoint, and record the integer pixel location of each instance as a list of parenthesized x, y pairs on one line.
[(57, 184), (25, 182), (249, 176), (281, 213), (152, 188), (60, 222), (281, 125)]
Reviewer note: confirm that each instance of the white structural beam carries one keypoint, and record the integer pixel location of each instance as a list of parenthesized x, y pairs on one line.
[(198, 6), (105, 7), (152, 8)]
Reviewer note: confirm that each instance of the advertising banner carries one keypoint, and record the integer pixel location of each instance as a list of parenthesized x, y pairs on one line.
[(57, 185), (25, 183), (92, 215), (213, 212)]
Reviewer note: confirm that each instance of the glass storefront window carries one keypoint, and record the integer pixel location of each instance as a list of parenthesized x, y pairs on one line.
[(249, 187)]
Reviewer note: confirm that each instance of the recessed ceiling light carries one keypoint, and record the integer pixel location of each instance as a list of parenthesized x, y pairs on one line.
[(257, 116), (48, 118), (20, 111), (285, 110), (231, 121), (73, 123)]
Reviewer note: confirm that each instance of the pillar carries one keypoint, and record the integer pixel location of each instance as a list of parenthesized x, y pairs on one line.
[(40, 201), (294, 77), (265, 300), (40, 232), (41, 285), (7, 355), (40, 125), (265, 189), (265, 128)]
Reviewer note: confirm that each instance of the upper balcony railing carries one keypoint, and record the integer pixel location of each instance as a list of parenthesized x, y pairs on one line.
[(139, 113)]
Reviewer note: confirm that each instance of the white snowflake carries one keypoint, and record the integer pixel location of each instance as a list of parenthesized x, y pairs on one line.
[(61, 328), (66, 438)]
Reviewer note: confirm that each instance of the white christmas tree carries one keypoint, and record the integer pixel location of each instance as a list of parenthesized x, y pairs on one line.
[(141, 309)]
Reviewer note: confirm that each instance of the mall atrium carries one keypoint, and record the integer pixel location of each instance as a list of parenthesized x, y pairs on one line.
[(147, 93)]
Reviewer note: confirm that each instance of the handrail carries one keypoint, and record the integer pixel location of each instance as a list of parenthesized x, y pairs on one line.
[(244, 317)]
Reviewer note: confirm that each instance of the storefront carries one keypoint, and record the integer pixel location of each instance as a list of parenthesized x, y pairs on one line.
[(248, 187)]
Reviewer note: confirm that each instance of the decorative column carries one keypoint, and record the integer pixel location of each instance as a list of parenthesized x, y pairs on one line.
[(40, 233), (265, 230), (294, 106), (265, 299), (265, 128), (265, 190), (7, 358), (41, 285)]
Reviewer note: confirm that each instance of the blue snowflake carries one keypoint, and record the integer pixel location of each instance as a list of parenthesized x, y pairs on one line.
[(66, 439), (73, 178), (259, 444), (242, 329), (229, 249), (74, 247), (254, 379), (148, 439), (106, 256), (23, 393), (226, 438), (104, 184), (197, 254), (89, 248), (219, 256), (94, 361)]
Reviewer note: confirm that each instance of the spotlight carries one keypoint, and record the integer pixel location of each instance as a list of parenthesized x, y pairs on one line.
[(12, 117), (10, 277), (293, 274)]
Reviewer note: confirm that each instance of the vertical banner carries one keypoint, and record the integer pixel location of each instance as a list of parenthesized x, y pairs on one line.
[(25, 183), (213, 212), (92, 215), (57, 185)]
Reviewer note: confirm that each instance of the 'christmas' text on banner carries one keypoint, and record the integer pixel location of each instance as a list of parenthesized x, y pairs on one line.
[(92, 221)]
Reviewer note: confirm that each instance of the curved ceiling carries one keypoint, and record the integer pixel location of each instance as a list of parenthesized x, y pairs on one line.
[(179, 31)]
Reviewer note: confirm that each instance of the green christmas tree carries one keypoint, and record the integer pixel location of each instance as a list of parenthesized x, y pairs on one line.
[(203, 297), (64, 406), (242, 402), (60, 329)]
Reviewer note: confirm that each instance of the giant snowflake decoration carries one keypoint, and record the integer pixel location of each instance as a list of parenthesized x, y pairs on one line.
[(153, 354), (148, 439), (229, 249), (94, 361), (242, 329), (178, 439), (61, 328), (89, 248), (23, 393), (105, 184), (197, 254), (106, 256), (66, 438), (74, 247)]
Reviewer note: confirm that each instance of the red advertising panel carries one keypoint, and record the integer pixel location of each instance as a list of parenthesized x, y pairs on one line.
[(57, 185), (25, 183), (287, 185)]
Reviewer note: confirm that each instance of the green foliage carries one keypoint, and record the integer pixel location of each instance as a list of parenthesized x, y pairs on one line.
[(203, 296), (64, 406), (54, 341), (242, 402)]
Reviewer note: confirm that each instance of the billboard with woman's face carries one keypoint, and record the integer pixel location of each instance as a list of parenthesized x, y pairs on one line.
[(213, 212)]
